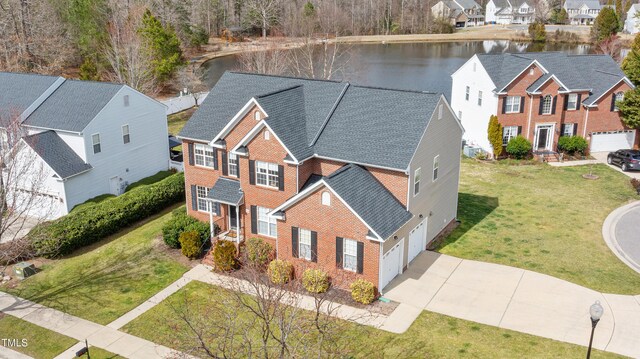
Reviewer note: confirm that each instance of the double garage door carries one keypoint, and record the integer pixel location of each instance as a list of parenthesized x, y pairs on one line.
[(392, 260), (612, 141)]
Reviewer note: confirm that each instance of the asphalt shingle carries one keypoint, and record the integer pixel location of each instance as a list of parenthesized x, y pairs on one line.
[(19, 91), (226, 190), (57, 154)]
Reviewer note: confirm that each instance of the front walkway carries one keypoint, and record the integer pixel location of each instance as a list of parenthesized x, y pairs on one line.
[(515, 299)]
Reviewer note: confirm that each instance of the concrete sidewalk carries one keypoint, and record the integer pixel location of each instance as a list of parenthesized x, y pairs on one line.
[(516, 299)]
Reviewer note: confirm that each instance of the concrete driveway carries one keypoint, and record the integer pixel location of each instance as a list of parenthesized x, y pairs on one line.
[(601, 157), (19, 229), (517, 299)]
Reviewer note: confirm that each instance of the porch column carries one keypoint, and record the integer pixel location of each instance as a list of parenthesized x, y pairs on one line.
[(238, 224), (209, 204)]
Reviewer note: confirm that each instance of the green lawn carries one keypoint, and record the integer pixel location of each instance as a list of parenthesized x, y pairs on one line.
[(109, 279), (97, 353), (94, 200), (431, 335), (546, 219), (40, 342), (150, 180), (177, 121)]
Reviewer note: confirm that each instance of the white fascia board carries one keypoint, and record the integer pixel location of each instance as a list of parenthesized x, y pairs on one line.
[(625, 79), (238, 116), (534, 62), (254, 131)]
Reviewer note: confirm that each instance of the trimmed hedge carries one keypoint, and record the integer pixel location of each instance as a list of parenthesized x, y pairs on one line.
[(315, 280), (362, 291), (572, 144), (224, 256), (191, 244), (89, 225), (519, 147), (280, 272), (181, 222), (258, 252)]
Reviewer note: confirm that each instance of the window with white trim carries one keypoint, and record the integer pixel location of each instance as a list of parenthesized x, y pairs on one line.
[(568, 129), (547, 102), (267, 226), (572, 101), (126, 138), (203, 155), (202, 193), (416, 181), (350, 255), (436, 164), (479, 98), (326, 198), (267, 174), (95, 140), (619, 98), (508, 132), (513, 104), (233, 164), (466, 93), (304, 244)]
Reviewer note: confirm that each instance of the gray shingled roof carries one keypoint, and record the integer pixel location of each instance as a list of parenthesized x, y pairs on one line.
[(501, 4), (19, 91), (361, 126), (369, 199), (57, 154), (226, 190), (73, 105), (576, 4)]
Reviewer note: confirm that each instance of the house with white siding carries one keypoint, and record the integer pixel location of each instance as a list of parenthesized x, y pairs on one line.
[(632, 24), (582, 12), (460, 13), (89, 138), (506, 12)]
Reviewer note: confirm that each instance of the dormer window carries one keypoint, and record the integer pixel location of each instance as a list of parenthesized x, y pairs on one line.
[(257, 116)]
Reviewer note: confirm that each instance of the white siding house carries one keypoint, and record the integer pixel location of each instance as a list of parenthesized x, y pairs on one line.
[(582, 12), (632, 24), (506, 12)]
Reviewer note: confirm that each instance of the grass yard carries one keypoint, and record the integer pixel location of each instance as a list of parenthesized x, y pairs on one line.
[(431, 335), (546, 219), (104, 281), (150, 180), (177, 121), (94, 200), (40, 342)]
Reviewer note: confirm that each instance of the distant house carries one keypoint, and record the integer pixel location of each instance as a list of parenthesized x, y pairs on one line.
[(582, 12), (89, 138), (460, 13), (632, 24), (505, 12)]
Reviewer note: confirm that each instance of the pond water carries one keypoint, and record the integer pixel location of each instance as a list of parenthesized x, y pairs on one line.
[(423, 66)]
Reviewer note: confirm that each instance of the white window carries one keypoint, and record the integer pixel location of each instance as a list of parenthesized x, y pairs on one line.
[(350, 255), (203, 155), (126, 100), (304, 244), (233, 164), (460, 115), (95, 139), (619, 97), (326, 198), (479, 98), (466, 93), (201, 194), (513, 104), (568, 129), (266, 225), (572, 101), (547, 102), (267, 135), (257, 116), (508, 132), (267, 174), (532, 71), (440, 112), (416, 181), (125, 134), (436, 164)]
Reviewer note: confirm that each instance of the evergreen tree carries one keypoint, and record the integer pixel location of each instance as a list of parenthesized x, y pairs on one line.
[(606, 24), (630, 108), (537, 32), (559, 16), (86, 22), (162, 46), (89, 70), (631, 63), (495, 135)]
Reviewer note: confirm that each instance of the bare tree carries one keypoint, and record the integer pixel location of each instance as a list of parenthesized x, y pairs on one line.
[(265, 13), (320, 61), (190, 77), (273, 61), (610, 46)]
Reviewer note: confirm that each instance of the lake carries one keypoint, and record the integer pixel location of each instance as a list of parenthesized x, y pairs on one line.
[(425, 66)]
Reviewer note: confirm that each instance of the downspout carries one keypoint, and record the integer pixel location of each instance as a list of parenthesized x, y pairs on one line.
[(380, 269), (529, 119), (209, 209), (586, 122), (238, 224)]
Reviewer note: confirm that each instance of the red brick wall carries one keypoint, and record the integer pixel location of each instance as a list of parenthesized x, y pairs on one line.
[(329, 222), (601, 118)]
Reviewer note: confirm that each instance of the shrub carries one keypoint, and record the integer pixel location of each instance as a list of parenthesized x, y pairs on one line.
[(572, 144), (191, 244), (259, 253), (519, 147), (91, 224), (537, 32), (181, 222), (280, 272), (362, 291), (495, 135), (635, 183), (224, 256), (315, 280)]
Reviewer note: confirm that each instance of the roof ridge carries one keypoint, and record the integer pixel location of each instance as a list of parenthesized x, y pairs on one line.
[(608, 73), (283, 76), (329, 115), (279, 91), (95, 82), (396, 89), (341, 170)]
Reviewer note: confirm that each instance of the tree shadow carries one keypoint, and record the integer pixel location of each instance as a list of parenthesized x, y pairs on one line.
[(472, 209)]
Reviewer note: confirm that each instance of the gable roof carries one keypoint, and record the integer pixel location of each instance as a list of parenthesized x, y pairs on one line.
[(19, 91), (227, 191), (577, 4), (57, 154), (73, 105), (500, 4), (322, 118)]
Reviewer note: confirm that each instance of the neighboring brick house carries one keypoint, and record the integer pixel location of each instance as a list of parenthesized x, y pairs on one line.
[(543, 96), (353, 179)]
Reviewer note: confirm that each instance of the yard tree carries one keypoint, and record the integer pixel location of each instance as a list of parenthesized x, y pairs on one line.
[(630, 108), (537, 32), (605, 25), (631, 63), (495, 135), (263, 14), (162, 46)]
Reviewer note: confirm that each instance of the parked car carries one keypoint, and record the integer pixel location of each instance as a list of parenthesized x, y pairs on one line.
[(626, 159)]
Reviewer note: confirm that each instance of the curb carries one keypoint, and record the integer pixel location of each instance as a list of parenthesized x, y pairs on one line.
[(609, 234)]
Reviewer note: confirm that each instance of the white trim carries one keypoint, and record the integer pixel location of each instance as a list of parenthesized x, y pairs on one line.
[(625, 79), (534, 62), (93, 145), (529, 117), (358, 163), (238, 116), (586, 123), (52, 129), (556, 80), (254, 132), (41, 99), (552, 127)]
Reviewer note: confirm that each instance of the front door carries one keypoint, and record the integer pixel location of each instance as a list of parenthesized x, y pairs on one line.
[(543, 138), (233, 217)]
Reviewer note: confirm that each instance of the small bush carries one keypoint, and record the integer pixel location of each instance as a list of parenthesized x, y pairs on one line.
[(315, 280), (519, 147), (362, 291), (572, 144), (224, 256), (181, 222), (280, 272), (191, 244), (259, 253), (635, 183)]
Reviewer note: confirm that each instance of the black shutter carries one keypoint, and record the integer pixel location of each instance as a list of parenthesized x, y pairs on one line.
[(553, 105), (575, 128), (281, 177), (238, 166), (578, 101), (562, 130), (504, 104), (519, 130), (294, 242), (194, 198), (522, 104), (191, 159), (541, 102), (613, 102), (314, 246), (252, 172), (254, 219), (360, 257), (215, 158), (217, 208), (339, 250), (566, 102), (225, 164)]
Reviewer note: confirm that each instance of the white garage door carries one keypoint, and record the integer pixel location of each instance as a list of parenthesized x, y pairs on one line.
[(392, 263), (612, 141), (417, 240)]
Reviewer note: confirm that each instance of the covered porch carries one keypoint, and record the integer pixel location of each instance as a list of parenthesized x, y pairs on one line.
[(226, 201)]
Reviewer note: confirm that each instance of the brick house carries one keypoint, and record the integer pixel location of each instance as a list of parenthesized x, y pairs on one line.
[(353, 179), (543, 96)]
